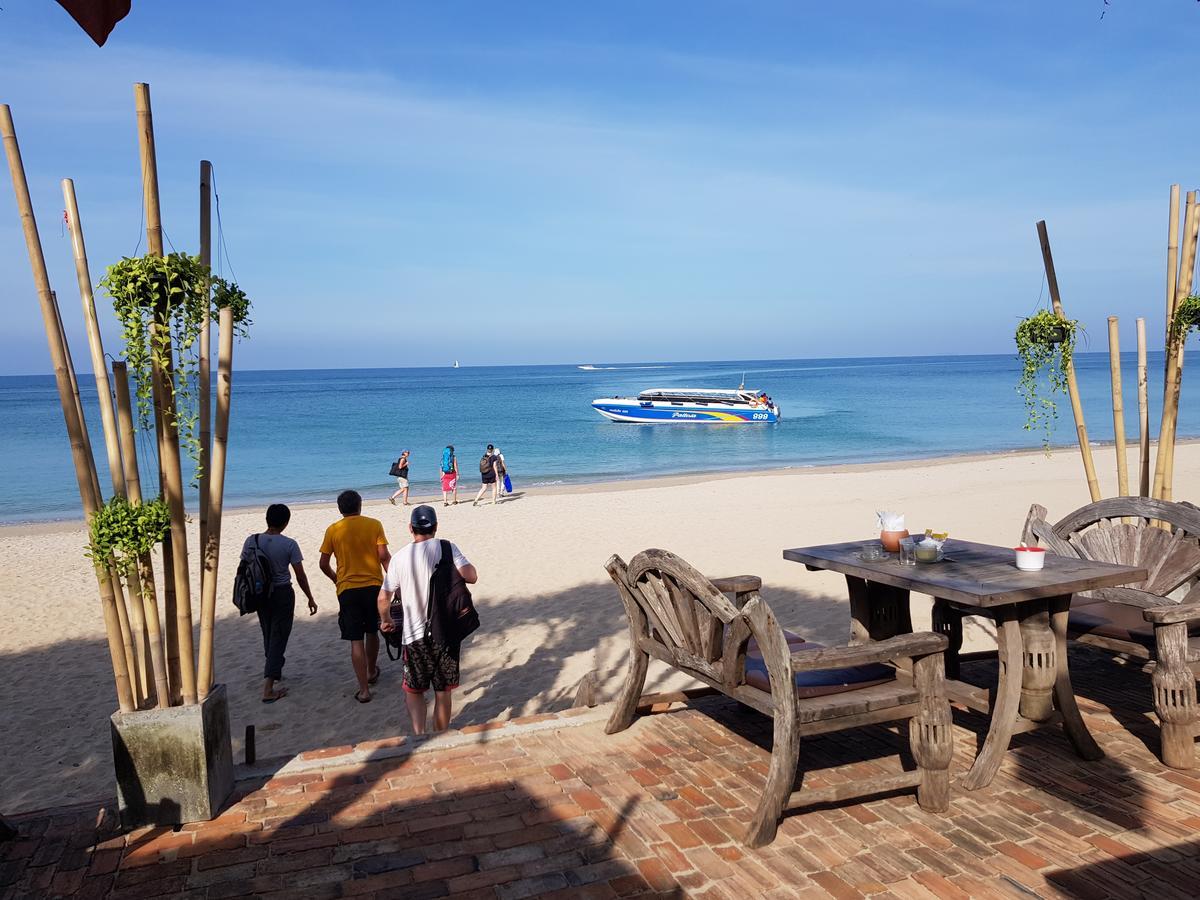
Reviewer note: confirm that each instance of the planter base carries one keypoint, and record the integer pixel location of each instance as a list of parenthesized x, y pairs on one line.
[(173, 765)]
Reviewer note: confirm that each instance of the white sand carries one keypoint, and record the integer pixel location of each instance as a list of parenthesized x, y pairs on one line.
[(549, 613)]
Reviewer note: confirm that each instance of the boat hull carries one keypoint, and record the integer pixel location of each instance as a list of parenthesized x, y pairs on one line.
[(637, 413)]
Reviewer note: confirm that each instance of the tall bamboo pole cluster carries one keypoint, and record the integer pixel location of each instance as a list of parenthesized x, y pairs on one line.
[(1181, 283), (151, 647)]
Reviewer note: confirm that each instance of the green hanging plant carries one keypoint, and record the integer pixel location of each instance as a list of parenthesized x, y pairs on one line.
[(161, 302), (124, 531), (1185, 321), (1044, 345)]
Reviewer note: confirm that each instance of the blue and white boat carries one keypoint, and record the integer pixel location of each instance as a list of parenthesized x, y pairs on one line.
[(673, 405)]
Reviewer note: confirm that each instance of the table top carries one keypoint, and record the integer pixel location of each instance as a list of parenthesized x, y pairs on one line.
[(972, 574)]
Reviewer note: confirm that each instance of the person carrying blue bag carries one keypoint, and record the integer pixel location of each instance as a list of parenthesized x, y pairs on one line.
[(502, 472)]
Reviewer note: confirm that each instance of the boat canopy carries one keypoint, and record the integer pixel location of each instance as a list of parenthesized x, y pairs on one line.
[(698, 396)]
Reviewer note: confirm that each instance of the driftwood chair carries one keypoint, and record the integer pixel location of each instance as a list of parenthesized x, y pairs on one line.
[(677, 615), (1141, 622)]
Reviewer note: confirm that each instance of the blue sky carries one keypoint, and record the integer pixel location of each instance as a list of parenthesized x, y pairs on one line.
[(406, 184)]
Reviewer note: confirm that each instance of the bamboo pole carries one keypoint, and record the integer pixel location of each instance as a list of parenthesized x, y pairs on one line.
[(1187, 275), (1085, 449), (208, 602), (1164, 464), (1118, 407), (1143, 413), (169, 458), (84, 466), (133, 484), (112, 441), (205, 376), (1172, 272)]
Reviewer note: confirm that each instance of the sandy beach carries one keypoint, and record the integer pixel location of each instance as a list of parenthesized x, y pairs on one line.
[(550, 614)]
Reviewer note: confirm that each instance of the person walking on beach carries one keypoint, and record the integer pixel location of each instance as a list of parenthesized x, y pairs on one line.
[(501, 473), (449, 475), (275, 618), (427, 663), (401, 470), (361, 549), (487, 474)]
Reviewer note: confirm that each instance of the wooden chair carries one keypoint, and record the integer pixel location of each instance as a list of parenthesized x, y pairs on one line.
[(1141, 622), (677, 615)]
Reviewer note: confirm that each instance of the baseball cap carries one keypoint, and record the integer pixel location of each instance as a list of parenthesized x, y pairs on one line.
[(423, 518)]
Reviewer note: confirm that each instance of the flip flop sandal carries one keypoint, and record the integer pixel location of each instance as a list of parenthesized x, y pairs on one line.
[(374, 679), (360, 699), (278, 695)]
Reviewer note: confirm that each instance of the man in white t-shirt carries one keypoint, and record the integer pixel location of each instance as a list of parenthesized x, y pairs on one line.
[(427, 663)]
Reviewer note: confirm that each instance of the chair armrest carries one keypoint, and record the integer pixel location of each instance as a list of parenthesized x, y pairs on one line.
[(1175, 612), (902, 646), (737, 584), (1131, 597)]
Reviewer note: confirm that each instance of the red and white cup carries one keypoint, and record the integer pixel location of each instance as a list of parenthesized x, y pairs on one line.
[(1029, 559)]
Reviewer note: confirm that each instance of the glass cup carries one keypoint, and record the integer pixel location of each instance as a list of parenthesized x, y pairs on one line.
[(872, 551), (908, 552)]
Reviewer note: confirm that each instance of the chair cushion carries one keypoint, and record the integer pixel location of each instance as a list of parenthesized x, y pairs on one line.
[(1117, 621), (817, 683)]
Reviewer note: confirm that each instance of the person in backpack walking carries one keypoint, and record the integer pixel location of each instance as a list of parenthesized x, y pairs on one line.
[(449, 475), (400, 468), (276, 614), (428, 663), (361, 549), (487, 474), (502, 478)]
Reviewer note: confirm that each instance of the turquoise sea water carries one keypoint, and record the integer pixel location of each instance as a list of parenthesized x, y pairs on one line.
[(305, 435)]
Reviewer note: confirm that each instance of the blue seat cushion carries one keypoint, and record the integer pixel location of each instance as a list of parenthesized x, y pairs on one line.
[(819, 682)]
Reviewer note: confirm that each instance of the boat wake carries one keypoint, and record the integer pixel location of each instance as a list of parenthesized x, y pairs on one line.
[(617, 368)]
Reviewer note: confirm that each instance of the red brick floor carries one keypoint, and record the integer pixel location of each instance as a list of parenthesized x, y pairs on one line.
[(550, 805)]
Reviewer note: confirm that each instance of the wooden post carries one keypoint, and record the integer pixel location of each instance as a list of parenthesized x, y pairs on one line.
[(147, 595), (1118, 407), (1172, 272), (1164, 464), (112, 441), (1085, 449), (84, 466), (1187, 277), (1143, 413), (169, 452), (212, 552), (204, 383)]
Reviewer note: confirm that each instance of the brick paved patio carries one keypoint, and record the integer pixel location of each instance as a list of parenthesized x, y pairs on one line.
[(550, 805)]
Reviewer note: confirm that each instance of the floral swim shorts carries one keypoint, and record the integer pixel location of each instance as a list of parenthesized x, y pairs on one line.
[(429, 664), (449, 481)]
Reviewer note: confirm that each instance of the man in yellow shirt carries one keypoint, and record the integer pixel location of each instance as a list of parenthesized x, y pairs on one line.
[(361, 549)]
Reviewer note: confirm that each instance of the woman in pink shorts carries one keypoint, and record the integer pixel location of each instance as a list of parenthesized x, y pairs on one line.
[(449, 475)]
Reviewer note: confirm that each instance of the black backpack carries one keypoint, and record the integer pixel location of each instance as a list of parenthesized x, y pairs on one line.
[(451, 615), (254, 582)]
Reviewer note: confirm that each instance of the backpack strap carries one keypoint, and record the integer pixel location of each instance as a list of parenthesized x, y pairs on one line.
[(435, 579)]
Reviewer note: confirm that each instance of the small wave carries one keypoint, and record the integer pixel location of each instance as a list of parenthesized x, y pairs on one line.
[(617, 368), (546, 483)]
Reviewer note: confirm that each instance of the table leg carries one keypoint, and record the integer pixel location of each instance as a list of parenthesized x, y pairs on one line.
[(1039, 669), (948, 621), (1008, 700), (1064, 693), (877, 611)]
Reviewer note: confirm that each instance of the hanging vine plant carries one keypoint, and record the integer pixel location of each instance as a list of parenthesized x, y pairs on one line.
[(124, 531), (160, 302), (1185, 321), (1044, 345)]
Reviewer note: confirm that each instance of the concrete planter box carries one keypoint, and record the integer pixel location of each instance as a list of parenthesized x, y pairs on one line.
[(173, 765)]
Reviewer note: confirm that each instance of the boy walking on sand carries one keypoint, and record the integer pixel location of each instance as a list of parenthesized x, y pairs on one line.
[(361, 549), (275, 618), (427, 663)]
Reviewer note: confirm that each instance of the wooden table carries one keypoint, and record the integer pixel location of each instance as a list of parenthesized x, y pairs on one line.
[(1030, 610)]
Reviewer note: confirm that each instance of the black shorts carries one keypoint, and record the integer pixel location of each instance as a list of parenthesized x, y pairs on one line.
[(358, 612), (428, 664)]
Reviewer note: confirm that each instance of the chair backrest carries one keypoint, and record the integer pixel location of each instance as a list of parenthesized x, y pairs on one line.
[(684, 614), (1120, 530)]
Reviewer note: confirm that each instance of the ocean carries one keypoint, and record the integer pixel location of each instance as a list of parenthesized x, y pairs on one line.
[(304, 435)]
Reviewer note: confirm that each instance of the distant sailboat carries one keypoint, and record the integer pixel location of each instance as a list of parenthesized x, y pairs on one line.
[(456, 364)]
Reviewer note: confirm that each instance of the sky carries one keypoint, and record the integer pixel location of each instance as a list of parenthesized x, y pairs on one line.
[(407, 184)]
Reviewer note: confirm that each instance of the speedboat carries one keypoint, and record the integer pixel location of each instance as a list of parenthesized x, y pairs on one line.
[(666, 405)]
